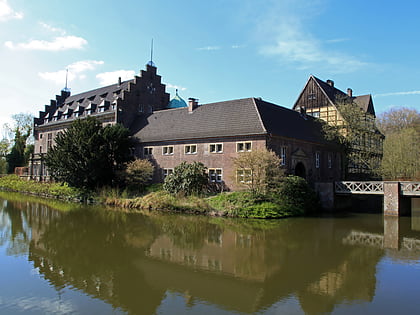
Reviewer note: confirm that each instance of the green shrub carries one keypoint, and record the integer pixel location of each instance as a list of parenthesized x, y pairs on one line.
[(295, 196), (138, 173), (187, 179)]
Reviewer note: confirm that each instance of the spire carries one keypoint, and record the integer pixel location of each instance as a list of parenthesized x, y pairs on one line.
[(66, 89), (151, 63), (65, 92)]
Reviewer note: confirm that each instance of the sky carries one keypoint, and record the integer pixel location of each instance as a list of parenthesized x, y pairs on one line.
[(211, 50)]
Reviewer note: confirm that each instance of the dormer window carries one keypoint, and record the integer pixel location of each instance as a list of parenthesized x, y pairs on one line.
[(67, 113), (114, 105), (56, 115), (91, 108), (103, 106), (79, 111)]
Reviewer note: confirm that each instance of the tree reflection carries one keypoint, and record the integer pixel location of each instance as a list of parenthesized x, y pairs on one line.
[(133, 260)]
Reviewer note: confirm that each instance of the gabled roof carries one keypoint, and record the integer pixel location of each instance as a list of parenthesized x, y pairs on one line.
[(335, 95), (241, 117)]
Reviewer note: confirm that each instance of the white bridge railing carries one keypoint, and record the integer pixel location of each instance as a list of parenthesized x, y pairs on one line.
[(371, 188), (410, 188), (375, 188)]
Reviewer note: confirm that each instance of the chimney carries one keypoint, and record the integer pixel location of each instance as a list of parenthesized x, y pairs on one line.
[(192, 104), (330, 83), (349, 92), (119, 81)]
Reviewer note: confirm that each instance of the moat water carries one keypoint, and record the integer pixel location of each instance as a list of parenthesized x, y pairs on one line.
[(58, 258)]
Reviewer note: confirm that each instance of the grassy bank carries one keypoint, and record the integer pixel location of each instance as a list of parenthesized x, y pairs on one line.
[(294, 198), (50, 190)]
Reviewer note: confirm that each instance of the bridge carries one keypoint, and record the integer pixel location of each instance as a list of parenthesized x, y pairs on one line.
[(391, 190)]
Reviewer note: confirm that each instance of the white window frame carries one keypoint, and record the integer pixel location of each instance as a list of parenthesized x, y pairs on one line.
[(241, 174), (166, 172), (49, 140), (317, 159), (316, 114), (244, 145), (148, 151), (283, 155), (168, 150), (216, 147), (188, 149), (215, 175)]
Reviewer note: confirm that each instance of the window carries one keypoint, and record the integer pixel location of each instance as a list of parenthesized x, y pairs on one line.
[(311, 96), (329, 160), (317, 158), (168, 150), (216, 147), (49, 140), (243, 176), (40, 149), (215, 175), (147, 151), (243, 146), (283, 155), (190, 149), (40, 136), (315, 114), (167, 172)]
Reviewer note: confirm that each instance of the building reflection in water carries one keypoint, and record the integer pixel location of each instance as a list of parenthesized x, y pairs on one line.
[(131, 261)]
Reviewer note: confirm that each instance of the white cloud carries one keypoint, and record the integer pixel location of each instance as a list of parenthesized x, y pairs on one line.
[(7, 13), (177, 87), (208, 48), (83, 65), (399, 93), (57, 44), (291, 41), (337, 40), (75, 72), (108, 78), (53, 29)]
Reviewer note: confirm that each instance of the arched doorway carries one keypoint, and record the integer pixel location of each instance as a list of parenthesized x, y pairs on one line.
[(300, 170)]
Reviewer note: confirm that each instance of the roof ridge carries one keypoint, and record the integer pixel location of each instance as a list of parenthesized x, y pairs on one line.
[(254, 102)]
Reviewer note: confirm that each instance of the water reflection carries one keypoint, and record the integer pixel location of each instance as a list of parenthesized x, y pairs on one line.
[(132, 261)]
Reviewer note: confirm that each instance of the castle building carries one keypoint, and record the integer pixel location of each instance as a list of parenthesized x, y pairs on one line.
[(168, 132), (324, 101)]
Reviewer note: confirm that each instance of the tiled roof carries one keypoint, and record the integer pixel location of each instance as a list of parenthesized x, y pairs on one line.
[(334, 94), (242, 117)]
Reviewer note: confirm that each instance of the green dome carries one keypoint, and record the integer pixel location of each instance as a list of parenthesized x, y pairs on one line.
[(177, 102)]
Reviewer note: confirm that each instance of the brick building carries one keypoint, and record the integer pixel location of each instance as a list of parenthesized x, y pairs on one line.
[(169, 132)]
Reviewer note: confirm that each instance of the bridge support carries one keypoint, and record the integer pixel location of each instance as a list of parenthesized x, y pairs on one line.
[(392, 232), (392, 198)]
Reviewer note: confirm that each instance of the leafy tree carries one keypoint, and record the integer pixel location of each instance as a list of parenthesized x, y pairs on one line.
[(187, 179), (4, 150), (22, 130), (138, 173), (87, 155), (401, 145), (359, 139), (398, 119), (16, 157), (262, 170)]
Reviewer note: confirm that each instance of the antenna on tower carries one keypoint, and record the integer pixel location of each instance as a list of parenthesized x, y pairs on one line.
[(66, 89), (151, 63), (67, 74), (151, 51)]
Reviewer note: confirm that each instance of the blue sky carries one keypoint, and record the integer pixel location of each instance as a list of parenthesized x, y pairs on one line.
[(212, 50)]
